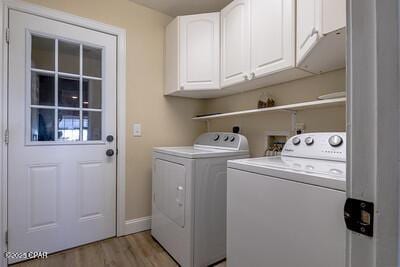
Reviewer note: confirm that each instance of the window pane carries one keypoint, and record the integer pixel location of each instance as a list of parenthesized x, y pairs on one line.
[(91, 61), (68, 92), (91, 125), (91, 94), (68, 57), (43, 53), (68, 125), (42, 89), (42, 124)]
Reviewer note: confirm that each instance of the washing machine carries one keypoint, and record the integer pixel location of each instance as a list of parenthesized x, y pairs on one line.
[(189, 197), (287, 211)]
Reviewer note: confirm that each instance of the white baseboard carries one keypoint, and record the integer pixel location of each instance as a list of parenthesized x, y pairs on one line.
[(137, 225)]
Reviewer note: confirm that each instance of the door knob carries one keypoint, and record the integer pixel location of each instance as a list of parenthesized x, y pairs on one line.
[(110, 152), (110, 138)]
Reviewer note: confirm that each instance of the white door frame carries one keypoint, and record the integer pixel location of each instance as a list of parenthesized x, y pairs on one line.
[(373, 127), (5, 6)]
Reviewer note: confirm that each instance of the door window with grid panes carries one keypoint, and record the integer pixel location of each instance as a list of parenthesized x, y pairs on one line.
[(65, 93)]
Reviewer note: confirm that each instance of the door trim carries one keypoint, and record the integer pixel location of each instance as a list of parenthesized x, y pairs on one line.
[(5, 6), (373, 127)]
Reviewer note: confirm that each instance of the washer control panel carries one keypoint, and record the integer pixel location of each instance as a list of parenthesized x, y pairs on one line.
[(230, 141), (328, 146)]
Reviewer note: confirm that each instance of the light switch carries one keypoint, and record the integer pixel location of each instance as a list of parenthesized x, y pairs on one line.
[(137, 129)]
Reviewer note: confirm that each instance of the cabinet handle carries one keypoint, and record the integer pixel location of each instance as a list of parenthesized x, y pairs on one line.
[(246, 77), (178, 199), (252, 76), (314, 31)]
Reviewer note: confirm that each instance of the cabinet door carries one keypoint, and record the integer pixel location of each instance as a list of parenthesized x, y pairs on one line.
[(235, 40), (333, 15), (199, 51), (308, 26), (272, 36)]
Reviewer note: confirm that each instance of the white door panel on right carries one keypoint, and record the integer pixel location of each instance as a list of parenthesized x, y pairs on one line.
[(272, 36), (235, 42)]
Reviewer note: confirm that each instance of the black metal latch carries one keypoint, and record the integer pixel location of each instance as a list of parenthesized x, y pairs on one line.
[(359, 216)]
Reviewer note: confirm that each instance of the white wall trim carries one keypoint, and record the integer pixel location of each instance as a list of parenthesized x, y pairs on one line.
[(373, 127), (3, 127), (120, 33), (137, 225)]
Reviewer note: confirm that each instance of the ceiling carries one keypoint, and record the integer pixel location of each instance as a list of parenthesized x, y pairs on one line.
[(184, 7)]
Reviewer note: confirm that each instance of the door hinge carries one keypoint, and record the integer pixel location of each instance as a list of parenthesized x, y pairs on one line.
[(6, 237), (359, 216), (6, 136), (8, 35)]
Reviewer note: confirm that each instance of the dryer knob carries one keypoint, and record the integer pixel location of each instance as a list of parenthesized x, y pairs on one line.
[(335, 140), (216, 137), (309, 141), (226, 138), (296, 141), (233, 139)]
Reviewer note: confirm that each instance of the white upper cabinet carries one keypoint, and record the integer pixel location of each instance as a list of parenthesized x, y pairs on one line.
[(308, 25), (321, 43), (199, 45), (259, 43), (334, 15), (272, 36), (235, 42), (192, 53), (258, 39)]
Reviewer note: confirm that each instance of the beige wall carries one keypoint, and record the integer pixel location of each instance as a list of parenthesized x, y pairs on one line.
[(254, 126), (165, 121)]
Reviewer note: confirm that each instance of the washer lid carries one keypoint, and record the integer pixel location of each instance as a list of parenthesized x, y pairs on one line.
[(326, 173), (196, 152)]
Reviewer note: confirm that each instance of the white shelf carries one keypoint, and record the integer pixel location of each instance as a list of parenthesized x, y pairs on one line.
[(291, 107)]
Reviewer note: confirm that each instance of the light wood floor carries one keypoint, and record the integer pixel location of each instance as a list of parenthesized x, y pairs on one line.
[(132, 250)]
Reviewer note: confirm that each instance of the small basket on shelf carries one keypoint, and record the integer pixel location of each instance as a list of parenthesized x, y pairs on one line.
[(265, 101)]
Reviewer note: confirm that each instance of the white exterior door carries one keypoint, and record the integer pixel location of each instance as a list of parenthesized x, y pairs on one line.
[(235, 42), (272, 36), (199, 51), (62, 106), (308, 26)]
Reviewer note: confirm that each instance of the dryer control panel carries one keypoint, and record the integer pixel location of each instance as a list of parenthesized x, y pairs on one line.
[(327, 146), (222, 140)]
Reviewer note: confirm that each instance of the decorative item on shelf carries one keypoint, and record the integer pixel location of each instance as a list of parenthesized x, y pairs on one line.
[(265, 101)]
